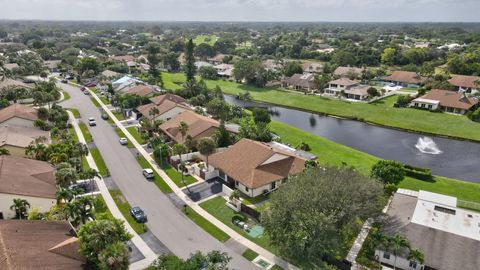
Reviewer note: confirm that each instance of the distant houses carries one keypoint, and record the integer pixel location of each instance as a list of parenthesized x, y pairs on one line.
[(405, 79), (446, 101), (468, 84), (301, 82), (18, 115), (348, 72), (347, 88), (8, 84)]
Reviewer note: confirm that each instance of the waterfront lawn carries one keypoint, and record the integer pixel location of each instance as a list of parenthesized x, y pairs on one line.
[(85, 132), (381, 112), (125, 207), (161, 184), (206, 225), (133, 131), (102, 168), (332, 153), (177, 176)]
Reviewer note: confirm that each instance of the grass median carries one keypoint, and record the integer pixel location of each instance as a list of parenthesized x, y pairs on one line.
[(250, 254), (161, 184), (206, 225), (76, 112), (122, 135), (134, 132), (125, 207), (85, 132), (102, 168), (66, 95), (95, 102)]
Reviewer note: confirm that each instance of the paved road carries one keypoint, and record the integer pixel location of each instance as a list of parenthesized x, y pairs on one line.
[(178, 233)]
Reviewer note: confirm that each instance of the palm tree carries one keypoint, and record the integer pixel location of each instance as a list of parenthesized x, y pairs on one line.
[(20, 206), (183, 128), (57, 157), (85, 206), (64, 196), (4, 152), (416, 255), (153, 112), (206, 146), (72, 211), (161, 153), (397, 243), (180, 149), (65, 177)]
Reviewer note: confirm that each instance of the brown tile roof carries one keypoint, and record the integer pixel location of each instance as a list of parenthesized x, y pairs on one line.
[(217, 58), (18, 110), (21, 136), (38, 244), (312, 67), (344, 82), (28, 177), (110, 74), (451, 99), (11, 83), (465, 81), (140, 90), (301, 80), (160, 99), (405, 77), (10, 66), (126, 58), (361, 90), (164, 103), (344, 71), (198, 126), (255, 164)]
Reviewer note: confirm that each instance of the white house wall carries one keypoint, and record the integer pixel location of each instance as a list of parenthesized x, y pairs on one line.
[(6, 200)]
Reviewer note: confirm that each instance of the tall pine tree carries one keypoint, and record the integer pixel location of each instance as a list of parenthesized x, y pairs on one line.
[(190, 61), (153, 60)]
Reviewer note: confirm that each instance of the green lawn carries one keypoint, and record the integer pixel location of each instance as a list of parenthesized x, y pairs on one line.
[(118, 115), (206, 225), (102, 168), (66, 95), (332, 153), (209, 39), (250, 254), (101, 208), (85, 132), (104, 100), (276, 267), (177, 177), (95, 102), (76, 112), (85, 163), (133, 131), (121, 134), (381, 112), (161, 184), (125, 207), (217, 208), (73, 133)]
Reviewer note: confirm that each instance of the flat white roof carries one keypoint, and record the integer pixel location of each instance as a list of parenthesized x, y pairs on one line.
[(439, 212), (426, 100)]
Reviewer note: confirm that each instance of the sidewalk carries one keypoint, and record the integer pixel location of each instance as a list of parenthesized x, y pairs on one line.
[(149, 255), (233, 234)]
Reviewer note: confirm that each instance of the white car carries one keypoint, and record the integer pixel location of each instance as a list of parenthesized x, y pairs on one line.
[(92, 122), (148, 173), (123, 141)]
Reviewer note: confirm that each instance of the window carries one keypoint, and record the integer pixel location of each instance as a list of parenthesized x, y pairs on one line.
[(236, 183), (444, 210), (273, 185), (430, 106), (413, 264), (386, 255), (247, 189), (423, 105)]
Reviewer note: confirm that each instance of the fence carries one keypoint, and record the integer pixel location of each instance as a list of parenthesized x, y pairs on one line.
[(250, 211)]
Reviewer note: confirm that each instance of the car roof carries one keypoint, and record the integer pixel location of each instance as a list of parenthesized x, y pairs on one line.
[(148, 170), (91, 118)]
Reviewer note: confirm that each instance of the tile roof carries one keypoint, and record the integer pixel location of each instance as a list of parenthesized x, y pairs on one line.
[(39, 244), (344, 82), (465, 81), (405, 77), (21, 136), (11, 83), (255, 164), (344, 71), (18, 110), (126, 58), (110, 74), (140, 90), (312, 67), (301, 80), (28, 177), (163, 103), (451, 99), (160, 99)]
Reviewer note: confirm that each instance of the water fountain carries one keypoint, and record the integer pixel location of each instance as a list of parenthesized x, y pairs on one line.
[(427, 146)]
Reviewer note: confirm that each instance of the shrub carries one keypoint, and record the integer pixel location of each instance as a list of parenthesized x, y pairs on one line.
[(474, 116)]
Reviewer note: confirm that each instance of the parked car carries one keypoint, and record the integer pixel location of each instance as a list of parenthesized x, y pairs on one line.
[(104, 116), (138, 214), (91, 84), (148, 173), (92, 122), (64, 80), (123, 141)]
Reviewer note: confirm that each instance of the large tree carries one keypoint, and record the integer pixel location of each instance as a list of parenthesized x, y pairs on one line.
[(214, 260), (388, 171), (153, 57), (314, 213), (190, 61), (206, 146)]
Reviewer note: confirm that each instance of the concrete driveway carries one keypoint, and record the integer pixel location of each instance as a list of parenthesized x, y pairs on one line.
[(178, 233)]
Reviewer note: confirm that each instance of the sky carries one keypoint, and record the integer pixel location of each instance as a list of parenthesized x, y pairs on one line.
[(244, 10)]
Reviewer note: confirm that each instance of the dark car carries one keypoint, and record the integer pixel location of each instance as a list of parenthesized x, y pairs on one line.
[(64, 81), (138, 214), (91, 84), (104, 116)]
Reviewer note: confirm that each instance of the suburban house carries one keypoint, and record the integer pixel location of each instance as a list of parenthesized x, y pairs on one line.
[(217, 59), (469, 84), (272, 64), (405, 79), (447, 235), (123, 58), (256, 168), (8, 84), (18, 115), (444, 100), (110, 75), (348, 88), (141, 90), (39, 244), (52, 65), (301, 82), (124, 83), (348, 72), (312, 67), (29, 179), (16, 138), (10, 66), (199, 126), (224, 70), (168, 105)]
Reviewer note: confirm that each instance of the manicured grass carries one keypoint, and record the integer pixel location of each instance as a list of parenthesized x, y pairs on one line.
[(122, 135), (101, 208), (217, 208), (66, 95), (381, 112), (177, 176), (104, 100), (276, 267), (161, 184), (85, 163), (119, 116), (209, 39), (133, 131), (206, 225), (252, 201), (76, 112), (73, 133), (85, 132), (95, 102), (125, 207), (332, 153), (250, 254), (102, 168)]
